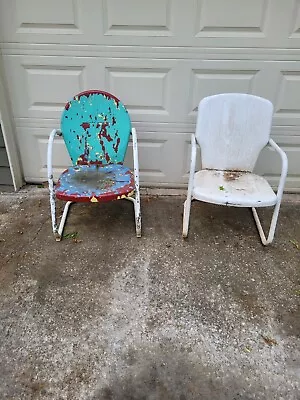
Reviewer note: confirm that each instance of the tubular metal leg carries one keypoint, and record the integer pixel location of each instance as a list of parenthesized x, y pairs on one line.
[(53, 211), (137, 214), (186, 216), (138, 218), (63, 221), (265, 241)]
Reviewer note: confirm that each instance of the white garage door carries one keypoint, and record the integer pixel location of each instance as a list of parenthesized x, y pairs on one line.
[(160, 57)]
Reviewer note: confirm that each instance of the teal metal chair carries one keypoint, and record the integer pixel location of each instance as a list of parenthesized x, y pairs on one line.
[(96, 128)]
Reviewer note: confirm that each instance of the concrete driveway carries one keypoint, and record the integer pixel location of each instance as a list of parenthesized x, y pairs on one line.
[(104, 315)]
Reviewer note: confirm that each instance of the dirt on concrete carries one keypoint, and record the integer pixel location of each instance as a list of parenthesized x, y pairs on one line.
[(104, 315)]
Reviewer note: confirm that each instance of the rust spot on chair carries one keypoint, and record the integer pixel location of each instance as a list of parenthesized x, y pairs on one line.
[(231, 175)]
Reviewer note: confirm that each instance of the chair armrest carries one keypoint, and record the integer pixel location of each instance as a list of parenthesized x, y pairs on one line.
[(193, 152), (284, 168), (53, 133), (192, 165), (135, 158)]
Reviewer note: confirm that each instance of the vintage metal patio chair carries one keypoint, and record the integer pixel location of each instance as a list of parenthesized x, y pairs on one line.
[(96, 128), (231, 130)]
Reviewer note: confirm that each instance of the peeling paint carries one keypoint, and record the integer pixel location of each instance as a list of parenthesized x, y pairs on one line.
[(93, 183), (96, 128)]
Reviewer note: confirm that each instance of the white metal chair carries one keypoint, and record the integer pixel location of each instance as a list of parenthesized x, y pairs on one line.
[(231, 130), (96, 127)]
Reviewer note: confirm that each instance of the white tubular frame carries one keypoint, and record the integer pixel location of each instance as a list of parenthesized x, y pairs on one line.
[(136, 199), (265, 240), (284, 169), (57, 230), (187, 203)]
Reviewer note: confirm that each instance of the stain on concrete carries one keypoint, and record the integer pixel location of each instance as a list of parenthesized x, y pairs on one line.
[(116, 317)]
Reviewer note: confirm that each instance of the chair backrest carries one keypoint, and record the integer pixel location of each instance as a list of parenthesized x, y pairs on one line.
[(232, 129), (96, 128)]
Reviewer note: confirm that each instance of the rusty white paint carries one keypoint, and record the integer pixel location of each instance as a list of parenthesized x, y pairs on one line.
[(57, 230), (53, 133), (229, 153), (134, 197), (284, 169), (242, 189), (137, 201), (232, 129)]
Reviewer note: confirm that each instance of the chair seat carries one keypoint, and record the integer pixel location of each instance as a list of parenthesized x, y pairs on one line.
[(231, 188), (85, 183)]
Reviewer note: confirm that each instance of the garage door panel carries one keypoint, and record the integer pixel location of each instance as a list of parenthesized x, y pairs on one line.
[(152, 151), (284, 91), (40, 87), (60, 83), (145, 91), (33, 21), (212, 77), (295, 21), (278, 81), (34, 153), (248, 20), (56, 15), (146, 87), (145, 19), (287, 106), (204, 23), (207, 82)]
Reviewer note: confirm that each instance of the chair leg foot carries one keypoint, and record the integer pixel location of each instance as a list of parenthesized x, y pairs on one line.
[(57, 237), (138, 233), (58, 230), (267, 240)]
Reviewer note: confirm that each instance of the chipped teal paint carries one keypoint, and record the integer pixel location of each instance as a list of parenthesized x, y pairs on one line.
[(96, 128), (95, 183)]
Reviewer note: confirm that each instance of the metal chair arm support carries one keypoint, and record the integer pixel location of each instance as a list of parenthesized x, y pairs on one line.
[(135, 157), (137, 201), (267, 240), (193, 164), (284, 168), (49, 153), (57, 232), (187, 203)]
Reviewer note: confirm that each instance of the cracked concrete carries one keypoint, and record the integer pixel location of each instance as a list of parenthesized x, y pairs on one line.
[(109, 316)]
